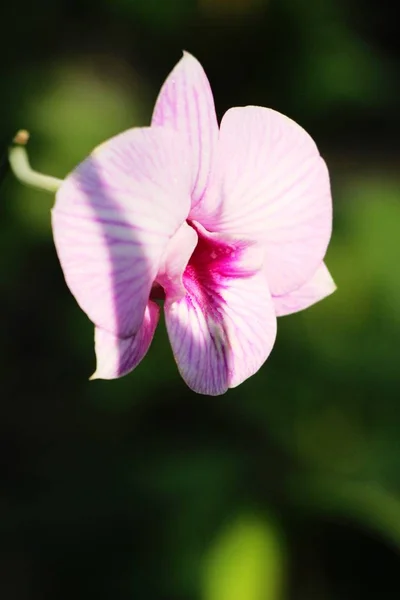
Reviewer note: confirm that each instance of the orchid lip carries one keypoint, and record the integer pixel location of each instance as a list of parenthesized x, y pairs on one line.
[(201, 266)]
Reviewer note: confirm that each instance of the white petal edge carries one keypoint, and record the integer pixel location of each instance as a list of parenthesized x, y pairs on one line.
[(316, 289)]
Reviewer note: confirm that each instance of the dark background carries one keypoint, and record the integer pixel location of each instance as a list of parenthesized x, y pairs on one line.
[(286, 488)]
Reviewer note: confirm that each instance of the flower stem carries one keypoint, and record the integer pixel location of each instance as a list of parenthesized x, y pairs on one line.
[(19, 163)]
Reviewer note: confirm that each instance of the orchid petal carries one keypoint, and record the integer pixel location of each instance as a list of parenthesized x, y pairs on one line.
[(113, 218), (270, 184), (223, 330), (217, 352), (317, 288), (118, 356), (186, 104)]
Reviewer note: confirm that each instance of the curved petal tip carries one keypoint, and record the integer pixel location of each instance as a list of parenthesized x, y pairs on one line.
[(314, 290)]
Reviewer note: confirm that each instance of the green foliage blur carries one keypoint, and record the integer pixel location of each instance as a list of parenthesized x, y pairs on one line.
[(286, 488)]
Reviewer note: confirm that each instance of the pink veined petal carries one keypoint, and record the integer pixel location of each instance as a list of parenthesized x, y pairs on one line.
[(186, 104), (223, 330), (270, 184), (113, 218), (217, 352), (317, 288), (118, 356)]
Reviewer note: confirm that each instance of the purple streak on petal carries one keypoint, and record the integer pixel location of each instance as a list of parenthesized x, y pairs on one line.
[(186, 103)]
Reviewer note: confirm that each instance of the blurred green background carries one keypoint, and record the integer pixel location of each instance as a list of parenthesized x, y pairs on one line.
[(286, 488)]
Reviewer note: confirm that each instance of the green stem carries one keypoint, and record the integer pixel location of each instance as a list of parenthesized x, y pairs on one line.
[(19, 163)]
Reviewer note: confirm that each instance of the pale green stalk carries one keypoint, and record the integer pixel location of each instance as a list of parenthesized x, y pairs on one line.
[(19, 163)]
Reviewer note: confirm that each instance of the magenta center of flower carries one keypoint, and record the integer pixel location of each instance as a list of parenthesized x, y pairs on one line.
[(213, 263)]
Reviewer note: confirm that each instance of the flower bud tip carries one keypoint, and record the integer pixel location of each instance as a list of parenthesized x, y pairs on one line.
[(21, 137)]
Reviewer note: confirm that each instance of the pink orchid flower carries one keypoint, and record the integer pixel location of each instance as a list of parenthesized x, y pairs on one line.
[(228, 225)]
